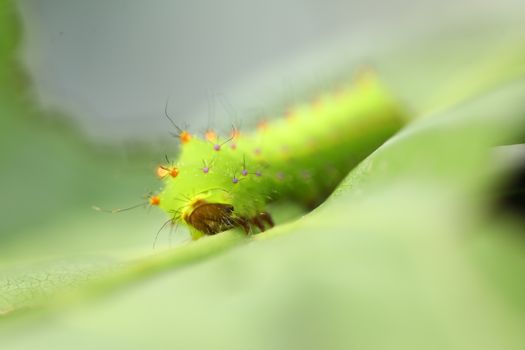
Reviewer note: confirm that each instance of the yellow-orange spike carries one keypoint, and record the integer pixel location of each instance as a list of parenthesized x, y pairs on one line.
[(262, 125), (174, 171), (185, 137), (154, 200), (210, 135), (235, 134), (162, 172)]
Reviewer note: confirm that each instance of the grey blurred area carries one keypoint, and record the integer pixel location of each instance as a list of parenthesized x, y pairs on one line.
[(112, 65)]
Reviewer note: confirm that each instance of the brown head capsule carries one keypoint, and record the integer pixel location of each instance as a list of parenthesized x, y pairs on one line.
[(211, 218)]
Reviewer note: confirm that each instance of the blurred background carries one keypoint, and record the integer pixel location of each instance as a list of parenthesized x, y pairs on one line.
[(96, 79), (112, 66), (410, 255)]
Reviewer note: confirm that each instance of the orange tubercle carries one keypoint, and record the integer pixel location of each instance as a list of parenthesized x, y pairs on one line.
[(210, 135), (174, 171), (154, 200), (185, 137), (235, 134), (262, 125), (162, 171)]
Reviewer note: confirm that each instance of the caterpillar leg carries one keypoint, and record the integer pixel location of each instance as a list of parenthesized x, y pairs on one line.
[(256, 221), (260, 220), (244, 224), (266, 217)]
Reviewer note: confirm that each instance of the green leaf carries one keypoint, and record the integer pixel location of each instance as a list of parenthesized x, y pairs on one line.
[(400, 250), (407, 253)]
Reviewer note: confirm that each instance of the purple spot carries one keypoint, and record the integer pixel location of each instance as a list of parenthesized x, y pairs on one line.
[(205, 170), (280, 175), (235, 180), (217, 147), (257, 151), (244, 172), (258, 173)]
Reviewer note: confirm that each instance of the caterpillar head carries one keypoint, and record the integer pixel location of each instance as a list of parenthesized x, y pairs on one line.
[(210, 218), (210, 190)]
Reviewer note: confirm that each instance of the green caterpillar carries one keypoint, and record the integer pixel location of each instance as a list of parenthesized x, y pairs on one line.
[(216, 185)]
